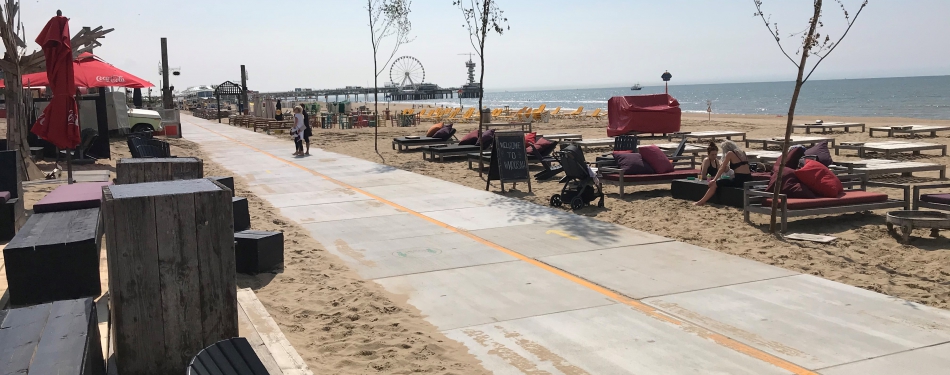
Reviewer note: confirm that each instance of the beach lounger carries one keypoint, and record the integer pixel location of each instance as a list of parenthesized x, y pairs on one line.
[(684, 167), (711, 135), (902, 168), (855, 198), (597, 142), (577, 112), (826, 126), (430, 153), (596, 114), (936, 201), (887, 148), (406, 142), (793, 140), (908, 129), (561, 136)]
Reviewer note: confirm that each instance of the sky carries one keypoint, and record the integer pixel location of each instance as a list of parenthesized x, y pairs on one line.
[(552, 44)]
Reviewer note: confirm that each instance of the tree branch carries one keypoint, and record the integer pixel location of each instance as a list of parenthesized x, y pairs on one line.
[(758, 7), (851, 23)]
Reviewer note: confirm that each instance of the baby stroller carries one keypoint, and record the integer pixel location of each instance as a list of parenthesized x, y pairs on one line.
[(580, 187)]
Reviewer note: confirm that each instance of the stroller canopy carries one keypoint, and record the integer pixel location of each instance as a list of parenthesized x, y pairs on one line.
[(658, 113)]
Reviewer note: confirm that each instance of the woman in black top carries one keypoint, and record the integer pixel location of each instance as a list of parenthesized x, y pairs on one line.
[(711, 163), (733, 158)]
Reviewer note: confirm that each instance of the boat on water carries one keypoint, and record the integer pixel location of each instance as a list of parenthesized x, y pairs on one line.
[(636, 87)]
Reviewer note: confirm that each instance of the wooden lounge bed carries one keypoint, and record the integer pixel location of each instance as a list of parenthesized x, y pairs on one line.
[(936, 201), (887, 148), (690, 149), (684, 167), (893, 167), (441, 152), (597, 142), (826, 126), (709, 135), (793, 140), (856, 198), (908, 129), (561, 136), (404, 143)]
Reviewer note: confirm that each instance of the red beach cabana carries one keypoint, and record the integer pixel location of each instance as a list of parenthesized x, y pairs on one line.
[(658, 114)]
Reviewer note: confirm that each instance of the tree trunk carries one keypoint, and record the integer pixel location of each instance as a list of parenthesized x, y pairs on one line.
[(376, 106), (481, 84), (17, 126)]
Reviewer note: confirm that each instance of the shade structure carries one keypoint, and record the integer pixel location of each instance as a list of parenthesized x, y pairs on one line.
[(91, 71), (658, 113), (58, 124)]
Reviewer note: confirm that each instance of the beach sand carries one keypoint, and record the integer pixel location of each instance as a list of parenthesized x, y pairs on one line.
[(338, 322), (864, 255)]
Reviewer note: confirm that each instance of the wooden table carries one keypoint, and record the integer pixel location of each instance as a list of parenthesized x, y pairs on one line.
[(826, 126), (793, 140), (908, 129), (891, 147), (710, 135)]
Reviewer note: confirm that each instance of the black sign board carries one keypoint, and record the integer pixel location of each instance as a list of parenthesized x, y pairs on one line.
[(509, 160)]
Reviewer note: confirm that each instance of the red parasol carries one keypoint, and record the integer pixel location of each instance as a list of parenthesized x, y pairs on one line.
[(90, 71), (58, 123)]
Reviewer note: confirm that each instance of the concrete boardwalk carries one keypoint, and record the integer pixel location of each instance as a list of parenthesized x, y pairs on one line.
[(534, 290)]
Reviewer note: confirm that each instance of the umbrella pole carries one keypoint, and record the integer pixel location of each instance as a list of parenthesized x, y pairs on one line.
[(69, 167)]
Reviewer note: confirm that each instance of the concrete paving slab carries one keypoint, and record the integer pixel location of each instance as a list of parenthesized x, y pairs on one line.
[(419, 189), (469, 296), (379, 228), (307, 198), (934, 360), (497, 216), (541, 240), (601, 340), (391, 178), (388, 258), (811, 321), (338, 211), (317, 184), (433, 196), (663, 268)]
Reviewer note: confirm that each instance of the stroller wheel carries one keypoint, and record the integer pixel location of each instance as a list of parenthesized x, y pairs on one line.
[(577, 203), (556, 200)]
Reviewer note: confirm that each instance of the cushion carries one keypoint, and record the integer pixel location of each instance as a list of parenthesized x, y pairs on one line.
[(530, 138), (792, 186), (657, 159), (71, 197), (850, 197), (445, 133), (4, 196), (544, 146), (615, 153), (820, 152), (632, 164), (470, 138), (936, 198), (488, 137), (794, 154), (659, 177), (820, 179), (433, 129)]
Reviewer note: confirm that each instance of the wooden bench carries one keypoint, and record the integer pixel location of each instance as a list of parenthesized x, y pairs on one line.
[(55, 256), (826, 126), (61, 337)]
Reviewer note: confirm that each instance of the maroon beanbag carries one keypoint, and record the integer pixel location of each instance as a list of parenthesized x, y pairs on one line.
[(821, 153), (444, 133), (657, 160), (488, 137), (631, 163), (791, 185), (544, 146), (794, 154), (470, 138), (820, 179)]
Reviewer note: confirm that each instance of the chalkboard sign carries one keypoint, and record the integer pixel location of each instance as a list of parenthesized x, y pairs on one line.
[(509, 160)]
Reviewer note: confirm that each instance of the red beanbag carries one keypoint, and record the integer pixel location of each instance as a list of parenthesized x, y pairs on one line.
[(530, 138), (820, 179), (657, 159)]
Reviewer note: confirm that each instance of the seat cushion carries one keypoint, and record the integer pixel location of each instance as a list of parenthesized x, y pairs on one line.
[(633, 164), (470, 138), (936, 198), (821, 153), (530, 138), (4, 196), (795, 154), (615, 153), (488, 137), (71, 197), (433, 129), (656, 158), (659, 177), (444, 133), (544, 146), (850, 197), (820, 179)]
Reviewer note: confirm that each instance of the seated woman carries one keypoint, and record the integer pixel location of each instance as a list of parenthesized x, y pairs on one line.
[(735, 159), (711, 163)]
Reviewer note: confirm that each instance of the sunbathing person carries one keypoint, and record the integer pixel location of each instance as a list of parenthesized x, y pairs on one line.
[(711, 162), (733, 158)]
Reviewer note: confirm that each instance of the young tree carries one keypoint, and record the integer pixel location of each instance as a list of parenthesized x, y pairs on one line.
[(387, 18), (481, 18), (812, 43)]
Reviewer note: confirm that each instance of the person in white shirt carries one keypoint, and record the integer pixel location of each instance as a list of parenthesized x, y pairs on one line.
[(297, 131)]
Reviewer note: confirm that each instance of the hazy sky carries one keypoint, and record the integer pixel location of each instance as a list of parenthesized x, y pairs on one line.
[(551, 44)]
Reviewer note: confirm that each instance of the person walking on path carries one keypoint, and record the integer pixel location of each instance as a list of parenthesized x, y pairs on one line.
[(308, 131), (298, 130)]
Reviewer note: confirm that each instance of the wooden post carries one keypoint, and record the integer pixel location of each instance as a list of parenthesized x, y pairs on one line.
[(136, 171), (167, 101), (171, 272)]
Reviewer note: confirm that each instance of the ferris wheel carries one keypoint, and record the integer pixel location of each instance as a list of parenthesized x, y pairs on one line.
[(407, 73)]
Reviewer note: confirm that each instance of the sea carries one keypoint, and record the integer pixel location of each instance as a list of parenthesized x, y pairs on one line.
[(913, 97)]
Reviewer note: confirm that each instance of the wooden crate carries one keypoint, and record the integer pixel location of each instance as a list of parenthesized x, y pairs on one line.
[(171, 272), (53, 338), (136, 171)]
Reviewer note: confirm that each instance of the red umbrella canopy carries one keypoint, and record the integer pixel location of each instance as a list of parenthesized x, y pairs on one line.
[(91, 71), (59, 124)]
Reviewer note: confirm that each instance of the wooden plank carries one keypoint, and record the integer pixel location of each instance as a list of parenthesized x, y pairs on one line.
[(248, 331), (284, 354), (134, 286), (215, 243), (19, 336), (178, 277)]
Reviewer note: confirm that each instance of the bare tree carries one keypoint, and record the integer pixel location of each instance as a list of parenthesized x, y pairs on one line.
[(387, 18), (16, 63), (812, 43), (481, 18)]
